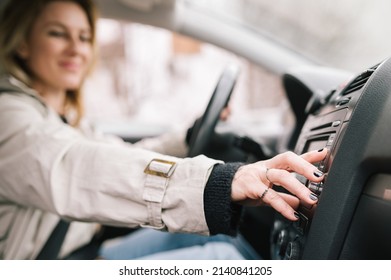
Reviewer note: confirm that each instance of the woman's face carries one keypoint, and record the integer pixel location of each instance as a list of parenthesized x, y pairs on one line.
[(58, 50)]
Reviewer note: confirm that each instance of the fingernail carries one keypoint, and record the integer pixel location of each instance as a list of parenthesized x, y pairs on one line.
[(296, 215), (318, 173), (320, 150), (313, 197)]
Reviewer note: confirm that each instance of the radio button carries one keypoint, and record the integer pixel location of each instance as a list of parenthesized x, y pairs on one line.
[(301, 223), (336, 123), (293, 251), (316, 188), (330, 140)]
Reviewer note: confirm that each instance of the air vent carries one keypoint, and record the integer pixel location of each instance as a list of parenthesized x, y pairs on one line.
[(359, 81)]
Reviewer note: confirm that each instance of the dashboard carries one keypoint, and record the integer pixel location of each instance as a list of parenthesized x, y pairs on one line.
[(352, 218)]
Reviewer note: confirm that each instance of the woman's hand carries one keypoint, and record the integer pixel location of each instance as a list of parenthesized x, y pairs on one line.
[(252, 183)]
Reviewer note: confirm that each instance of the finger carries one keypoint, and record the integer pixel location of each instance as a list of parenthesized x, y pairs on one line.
[(292, 162), (279, 204), (289, 182), (315, 156), (225, 113), (293, 201)]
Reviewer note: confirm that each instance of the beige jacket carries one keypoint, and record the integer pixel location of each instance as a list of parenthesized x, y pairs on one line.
[(50, 170)]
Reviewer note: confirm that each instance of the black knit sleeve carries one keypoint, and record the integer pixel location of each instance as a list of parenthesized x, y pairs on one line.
[(222, 216)]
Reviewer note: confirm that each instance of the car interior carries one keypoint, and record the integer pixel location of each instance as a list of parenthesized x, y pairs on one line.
[(344, 111), (350, 220), (350, 120)]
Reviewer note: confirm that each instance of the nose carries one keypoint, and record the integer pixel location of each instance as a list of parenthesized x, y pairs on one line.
[(76, 46)]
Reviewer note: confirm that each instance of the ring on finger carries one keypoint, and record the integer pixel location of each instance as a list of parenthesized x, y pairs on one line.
[(267, 177), (264, 193)]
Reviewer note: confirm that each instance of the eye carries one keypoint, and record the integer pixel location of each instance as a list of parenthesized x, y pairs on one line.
[(57, 33), (86, 38)]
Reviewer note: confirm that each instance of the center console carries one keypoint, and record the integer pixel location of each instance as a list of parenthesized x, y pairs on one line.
[(352, 122)]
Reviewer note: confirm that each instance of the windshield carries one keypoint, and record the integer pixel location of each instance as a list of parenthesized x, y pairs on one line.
[(348, 34)]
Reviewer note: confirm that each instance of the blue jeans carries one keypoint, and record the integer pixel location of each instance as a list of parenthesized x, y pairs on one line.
[(153, 244)]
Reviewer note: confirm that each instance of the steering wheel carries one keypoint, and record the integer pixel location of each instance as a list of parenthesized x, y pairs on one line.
[(204, 129)]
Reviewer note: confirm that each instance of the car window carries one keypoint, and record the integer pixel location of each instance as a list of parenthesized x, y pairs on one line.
[(343, 34), (159, 80)]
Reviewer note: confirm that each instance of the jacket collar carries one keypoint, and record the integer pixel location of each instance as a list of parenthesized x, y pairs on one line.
[(9, 83)]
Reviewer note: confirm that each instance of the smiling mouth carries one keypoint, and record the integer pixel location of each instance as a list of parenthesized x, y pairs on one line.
[(73, 67)]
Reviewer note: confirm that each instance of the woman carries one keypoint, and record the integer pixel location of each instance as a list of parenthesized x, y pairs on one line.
[(53, 171)]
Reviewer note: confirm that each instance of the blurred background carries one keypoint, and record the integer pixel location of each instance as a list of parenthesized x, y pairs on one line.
[(158, 80)]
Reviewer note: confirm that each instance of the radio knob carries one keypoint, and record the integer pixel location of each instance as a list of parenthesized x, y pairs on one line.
[(316, 188), (293, 251)]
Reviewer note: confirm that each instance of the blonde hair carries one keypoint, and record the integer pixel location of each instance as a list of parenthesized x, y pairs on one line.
[(15, 22)]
